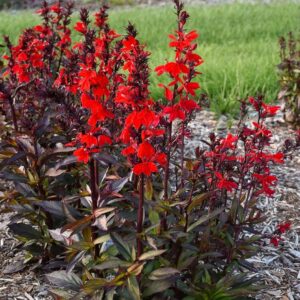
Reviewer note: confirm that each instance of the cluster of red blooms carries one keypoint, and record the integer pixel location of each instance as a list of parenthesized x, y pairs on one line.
[(141, 125), (31, 58), (113, 86), (34, 63), (95, 82), (112, 83), (281, 229), (241, 161), (181, 91)]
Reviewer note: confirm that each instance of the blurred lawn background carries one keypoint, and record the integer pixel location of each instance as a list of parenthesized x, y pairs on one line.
[(238, 42)]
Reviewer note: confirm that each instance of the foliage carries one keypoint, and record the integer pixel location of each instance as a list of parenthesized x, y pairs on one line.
[(100, 172), (289, 72)]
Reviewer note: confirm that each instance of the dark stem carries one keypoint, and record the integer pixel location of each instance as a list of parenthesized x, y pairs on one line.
[(182, 156), (186, 209), (140, 217), (163, 222), (94, 189), (13, 113)]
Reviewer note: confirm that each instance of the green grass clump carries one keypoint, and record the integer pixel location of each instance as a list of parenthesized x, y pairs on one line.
[(238, 42)]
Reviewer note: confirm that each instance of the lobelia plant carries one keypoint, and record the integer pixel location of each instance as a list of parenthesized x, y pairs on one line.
[(289, 74), (35, 127), (137, 218)]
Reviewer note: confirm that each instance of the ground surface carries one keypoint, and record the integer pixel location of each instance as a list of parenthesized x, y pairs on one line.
[(278, 267)]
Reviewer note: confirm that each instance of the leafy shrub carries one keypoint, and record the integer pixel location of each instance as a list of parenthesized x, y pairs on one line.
[(289, 72), (100, 172)]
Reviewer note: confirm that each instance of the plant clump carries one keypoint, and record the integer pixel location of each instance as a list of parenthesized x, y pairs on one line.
[(102, 189)]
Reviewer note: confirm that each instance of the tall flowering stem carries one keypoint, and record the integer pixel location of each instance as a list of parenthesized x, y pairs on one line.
[(140, 129), (180, 93)]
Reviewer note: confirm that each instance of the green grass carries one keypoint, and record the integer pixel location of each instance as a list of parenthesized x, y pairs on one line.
[(238, 42)]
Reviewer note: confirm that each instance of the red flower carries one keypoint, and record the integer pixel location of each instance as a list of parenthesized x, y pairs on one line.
[(270, 110), (229, 141), (87, 78), (190, 87), (128, 151), (161, 158), (275, 240), (80, 27), (88, 140), (266, 181), (224, 183), (174, 112), (87, 101), (99, 113), (145, 117), (173, 68), (82, 155), (168, 93), (146, 168), (189, 105), (282, 228), (129, 43), (146, 151), (104, 140)]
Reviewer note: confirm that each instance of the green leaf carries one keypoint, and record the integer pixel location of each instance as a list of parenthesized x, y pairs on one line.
[(25, 230), (163, 273), (65, 280), (198, 200), (122, 247), (25, 190), (78, 225), (53, 152), (110, 295), (205, 218), (53, 172), (12, 160), (10, 176), (15, 267), (157, 287), (111, 263), (117, 185), (61, 293), (151, 254), (56, 208), (95, 285), (133, 288), (148, 189), (101, 239), (103, 210), (78, 257)]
